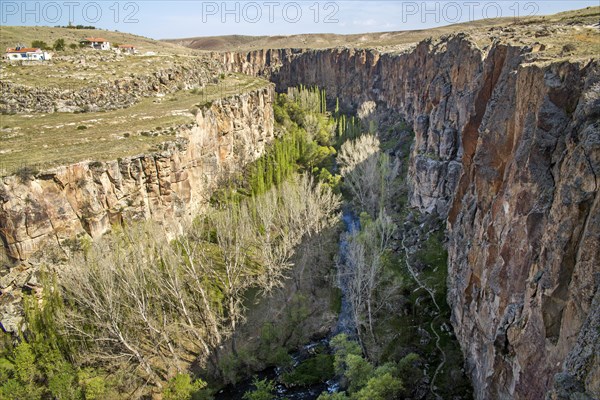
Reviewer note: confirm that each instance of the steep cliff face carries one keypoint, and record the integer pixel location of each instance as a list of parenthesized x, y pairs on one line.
[(170, 185), (508, 151), (524, 228), (433, 86)]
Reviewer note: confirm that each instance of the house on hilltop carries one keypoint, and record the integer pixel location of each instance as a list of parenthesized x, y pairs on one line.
[(20, 53), (127, 49), (96, 43)]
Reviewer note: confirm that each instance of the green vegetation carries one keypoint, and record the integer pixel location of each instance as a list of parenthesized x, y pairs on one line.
[(305, 144), (314, 370), (182, 387), (59, 44), (40, 44), (235, 253), (367, 381), (263, 390), (39, 366)]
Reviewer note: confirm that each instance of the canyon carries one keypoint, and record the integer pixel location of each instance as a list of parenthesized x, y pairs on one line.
[(506, 153)]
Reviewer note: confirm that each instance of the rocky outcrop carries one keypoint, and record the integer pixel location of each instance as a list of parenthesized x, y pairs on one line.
[(508, 151), (120, 93), (86, 199)]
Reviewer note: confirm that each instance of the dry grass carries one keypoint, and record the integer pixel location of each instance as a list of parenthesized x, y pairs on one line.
[(366, 40), (69, 73), (567, 26), (48, 140), (82, 67)]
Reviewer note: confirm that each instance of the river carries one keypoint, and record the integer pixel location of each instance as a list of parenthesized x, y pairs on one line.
[(345, 325)]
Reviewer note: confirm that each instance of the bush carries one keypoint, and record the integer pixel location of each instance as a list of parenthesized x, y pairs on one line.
[(59, 45), (26, 173), (181, 387), (569, 48), (312, 371), (81, 127), (40, 44), (264, 390), (73, 46)]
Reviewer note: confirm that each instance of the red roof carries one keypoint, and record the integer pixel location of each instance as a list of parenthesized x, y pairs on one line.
[(23, 50), (98, 40)]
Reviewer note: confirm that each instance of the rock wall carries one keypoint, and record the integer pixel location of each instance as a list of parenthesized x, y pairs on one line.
[(120, 93), (171, 185), (508, 151)]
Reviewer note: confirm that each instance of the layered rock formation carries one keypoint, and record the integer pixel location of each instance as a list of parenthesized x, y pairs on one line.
[(508, 151), (170, 185), (119, 93)]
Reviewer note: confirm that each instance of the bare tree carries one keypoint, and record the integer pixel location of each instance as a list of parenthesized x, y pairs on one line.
[(137, 298), (368, 173), (365, 266)]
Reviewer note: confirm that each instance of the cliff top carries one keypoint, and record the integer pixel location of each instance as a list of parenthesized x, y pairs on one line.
[(48, 140), (577, 29)]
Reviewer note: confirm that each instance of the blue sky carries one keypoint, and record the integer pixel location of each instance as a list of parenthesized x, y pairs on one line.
[(173, 19)]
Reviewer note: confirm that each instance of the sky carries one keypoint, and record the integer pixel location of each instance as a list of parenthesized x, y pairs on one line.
[(190, 18)]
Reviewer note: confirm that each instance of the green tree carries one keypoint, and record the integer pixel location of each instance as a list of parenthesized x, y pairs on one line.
[(380, 387), (40, 44), (263, 390), (25, 363), (59, 45), (333, 396), (181, 387), (358, 371)]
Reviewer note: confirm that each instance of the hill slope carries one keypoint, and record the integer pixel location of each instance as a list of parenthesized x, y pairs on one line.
[(399, 39)]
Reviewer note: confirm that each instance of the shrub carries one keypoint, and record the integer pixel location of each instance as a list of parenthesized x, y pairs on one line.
[(314, 370), (73, 46), (181, 387), (81, 127), (40, 44), (568, 48), (264, 390), (26, 173), (59, 45)]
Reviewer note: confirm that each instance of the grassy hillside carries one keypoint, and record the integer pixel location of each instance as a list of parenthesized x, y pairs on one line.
[(84, 67), (12, 35)]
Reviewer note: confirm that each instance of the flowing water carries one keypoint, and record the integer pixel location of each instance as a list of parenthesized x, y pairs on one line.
[(345, 325)]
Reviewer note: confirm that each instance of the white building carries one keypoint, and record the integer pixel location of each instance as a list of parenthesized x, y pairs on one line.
[(97, 43), (127, 49), (27, 54)]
